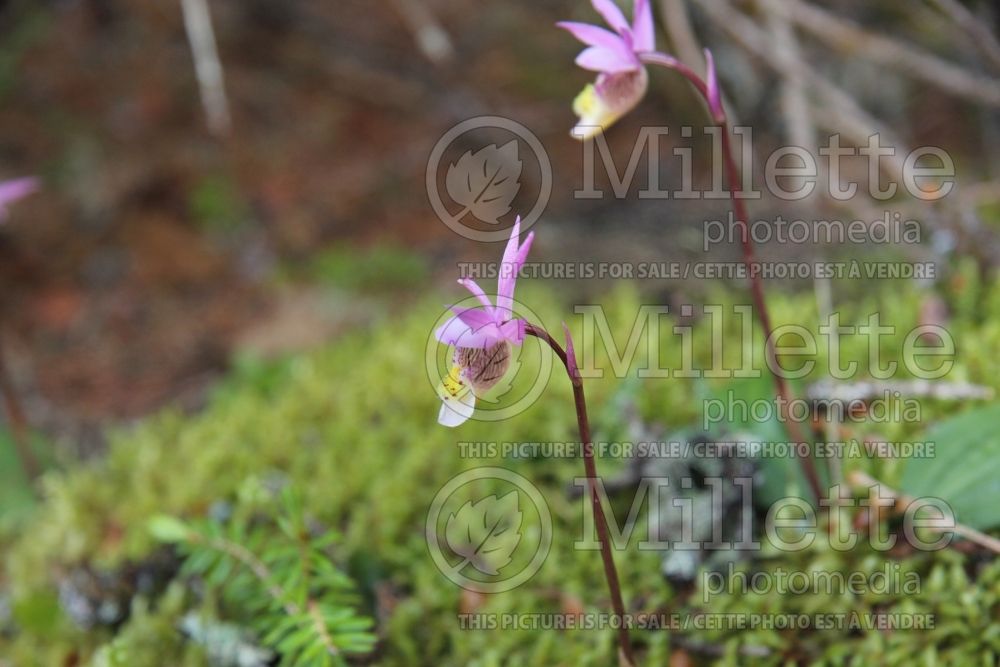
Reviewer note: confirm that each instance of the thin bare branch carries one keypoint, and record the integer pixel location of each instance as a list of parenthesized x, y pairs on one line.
[(835, 109), (863, 391), (687, 46), (982, 37), (208, 67), (682, 38), (795, 105), (862, 480), (432, 40), (848, 37)]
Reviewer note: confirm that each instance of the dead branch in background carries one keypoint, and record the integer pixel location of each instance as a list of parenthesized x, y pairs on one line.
[(681, 34), (207, 66), (982, 37), (835, 108), (859, 480), (794, 103), (848, 37), (430, 35), (863, 391), (685, 42)]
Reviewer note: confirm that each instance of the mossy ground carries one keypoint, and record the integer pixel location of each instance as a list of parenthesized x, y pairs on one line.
[(352, 427)]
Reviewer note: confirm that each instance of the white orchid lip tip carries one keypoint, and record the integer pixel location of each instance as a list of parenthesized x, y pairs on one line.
[(482, 328), (456, 412)]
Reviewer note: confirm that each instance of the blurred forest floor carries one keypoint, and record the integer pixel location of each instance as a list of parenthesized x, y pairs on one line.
[(152, 251), (156, 250)]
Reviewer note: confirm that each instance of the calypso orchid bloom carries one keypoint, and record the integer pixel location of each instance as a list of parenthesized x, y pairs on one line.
[(622, 79), (482, 337), (12, 190)]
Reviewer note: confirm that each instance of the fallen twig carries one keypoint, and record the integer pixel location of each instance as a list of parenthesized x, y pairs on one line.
[(862, 391), (859, 479)]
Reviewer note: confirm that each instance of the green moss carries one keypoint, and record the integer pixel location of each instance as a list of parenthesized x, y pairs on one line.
[(215, 204), (380, 268), (352, 427)]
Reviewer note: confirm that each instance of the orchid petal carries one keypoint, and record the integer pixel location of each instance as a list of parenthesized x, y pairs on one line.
[(12, 190), (508, 279), (592, 35), (522, 252), (644, 36), (622, 91), (475, 318), (478, 292), (458, 402), (601, 104), (611, 13), (510, 251), (458, 332), (513, 331), (600, 59), (513, 259)]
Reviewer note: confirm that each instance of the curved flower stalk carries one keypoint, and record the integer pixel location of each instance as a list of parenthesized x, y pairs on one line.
[(13, 190), (628, 51), (616, 56), (567, 356), (10, 192), (482, 337)]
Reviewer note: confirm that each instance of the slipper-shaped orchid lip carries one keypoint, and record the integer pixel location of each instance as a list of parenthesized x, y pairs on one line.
[(482, 327), (615, 55)]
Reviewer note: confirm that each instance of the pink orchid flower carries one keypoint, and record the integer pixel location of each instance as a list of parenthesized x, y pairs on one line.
[(482, 337), (622, 80), (12, 190)]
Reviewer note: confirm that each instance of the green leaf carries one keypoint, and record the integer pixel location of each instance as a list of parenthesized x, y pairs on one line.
[(751, 412), (169, 529), (965, 471), (38, 613)]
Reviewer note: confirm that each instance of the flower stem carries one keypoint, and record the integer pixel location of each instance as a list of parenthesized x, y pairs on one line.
[(735, 187), (17, 423), (600, 520)]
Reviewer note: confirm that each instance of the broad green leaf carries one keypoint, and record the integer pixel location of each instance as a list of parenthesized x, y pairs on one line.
[(168, 529), (965, 470)]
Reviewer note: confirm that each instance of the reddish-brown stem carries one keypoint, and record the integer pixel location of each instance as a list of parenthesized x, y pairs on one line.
[(735, 187), (17, 422), (600, 520)]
